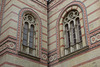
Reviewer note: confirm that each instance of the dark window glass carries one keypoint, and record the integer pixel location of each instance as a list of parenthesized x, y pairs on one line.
[(31, 39), (67, 36), (72, 33), (25, 33), (79, 37), (24, 42)]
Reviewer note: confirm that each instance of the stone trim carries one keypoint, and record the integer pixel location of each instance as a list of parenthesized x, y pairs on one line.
[(28, 56), (74, 53)]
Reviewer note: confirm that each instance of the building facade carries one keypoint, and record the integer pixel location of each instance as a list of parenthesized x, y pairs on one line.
[(49, 33)]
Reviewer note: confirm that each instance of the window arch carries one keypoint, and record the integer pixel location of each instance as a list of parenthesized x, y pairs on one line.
[(28, 34), (72, 31)]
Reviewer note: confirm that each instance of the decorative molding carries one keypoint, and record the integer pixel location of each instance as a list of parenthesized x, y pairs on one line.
[(44, 3), (53, 58), (44, 56), (9, 45), (28, 56), (56, 4), (11, 64), (74, 53), (95, 38), (7, 39)]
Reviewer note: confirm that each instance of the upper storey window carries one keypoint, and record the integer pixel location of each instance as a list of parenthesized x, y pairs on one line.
[(72, 31), (28, 34)]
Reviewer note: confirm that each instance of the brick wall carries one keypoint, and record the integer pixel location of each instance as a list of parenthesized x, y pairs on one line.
[(10, 37), (90, 27), (49, 33)]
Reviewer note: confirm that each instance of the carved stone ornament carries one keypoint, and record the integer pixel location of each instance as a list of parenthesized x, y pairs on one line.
[(11, 45), (29, 18), (71, 16)]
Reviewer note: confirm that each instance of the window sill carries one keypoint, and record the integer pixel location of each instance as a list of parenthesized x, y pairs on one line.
[(74, 53), (28, 56)]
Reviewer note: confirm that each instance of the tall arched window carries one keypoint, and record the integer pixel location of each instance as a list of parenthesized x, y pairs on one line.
[(28, 34), (72, 34)]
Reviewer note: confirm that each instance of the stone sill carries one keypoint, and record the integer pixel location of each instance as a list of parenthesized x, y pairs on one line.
[(28, 56), (74, 53)]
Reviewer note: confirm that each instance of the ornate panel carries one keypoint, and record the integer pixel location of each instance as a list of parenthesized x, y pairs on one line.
[(53, 58), (10, 45), (95, 38)]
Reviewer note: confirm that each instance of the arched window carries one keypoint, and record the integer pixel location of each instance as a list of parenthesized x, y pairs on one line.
[(28, 34), (72, 34)]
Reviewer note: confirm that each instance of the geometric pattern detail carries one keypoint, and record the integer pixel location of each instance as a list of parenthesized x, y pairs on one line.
[(52, 58), (95, 38), (11, 45), (8, 44), (55, 57), (44, 57)]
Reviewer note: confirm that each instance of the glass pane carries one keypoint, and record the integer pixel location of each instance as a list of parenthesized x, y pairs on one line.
[(31, 36), (32, 28), (26, 25), (67, 37), (31, 39), (25, 37), (79, 37), (74, 36), (72, 33), (25, 31), (31, 45), (24, 42)]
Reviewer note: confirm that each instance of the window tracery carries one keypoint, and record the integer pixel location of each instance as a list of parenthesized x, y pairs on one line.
[(72, 31), (28, 34)]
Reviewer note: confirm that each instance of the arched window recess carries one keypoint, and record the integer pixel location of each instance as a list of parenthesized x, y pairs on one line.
[(28, 34), (72, 32)]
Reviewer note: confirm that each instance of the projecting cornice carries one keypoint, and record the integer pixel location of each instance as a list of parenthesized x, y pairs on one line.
[(40, 2), (50, 3)]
